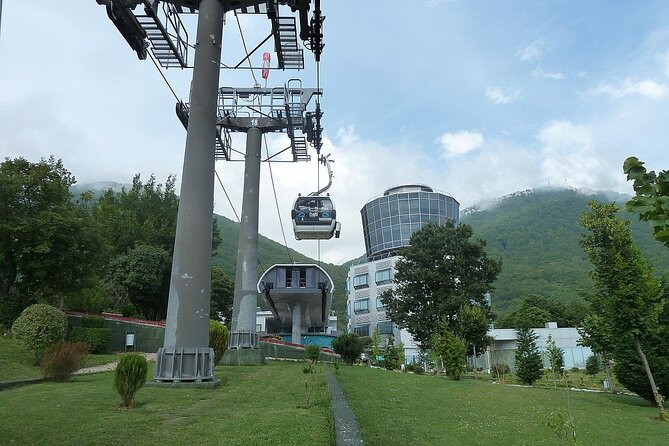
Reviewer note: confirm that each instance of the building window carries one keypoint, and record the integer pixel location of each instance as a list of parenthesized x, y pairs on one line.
[(361, 306), (360, 281), (379, 304), (361, 330), (385, 327), (384, 276)]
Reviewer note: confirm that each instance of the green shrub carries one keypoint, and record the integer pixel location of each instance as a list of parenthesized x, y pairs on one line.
[(450, 351), (96, 338), (130, 376), (366, 342), (349, 346), (391, 356), (63, 359), (218, 339), (593, 365), (415, 368), (40, 326), (93, 322), (312, 353), (500, 369)]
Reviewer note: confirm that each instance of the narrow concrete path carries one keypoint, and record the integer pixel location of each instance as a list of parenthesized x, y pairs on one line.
[(347, 430), (109, 366)]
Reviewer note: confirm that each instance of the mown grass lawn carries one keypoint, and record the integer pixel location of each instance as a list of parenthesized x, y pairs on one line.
[(404, 409), (19, 363), (254, 406)]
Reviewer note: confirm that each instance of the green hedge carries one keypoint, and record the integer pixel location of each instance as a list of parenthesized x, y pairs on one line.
[(97, 338), (93, 322)]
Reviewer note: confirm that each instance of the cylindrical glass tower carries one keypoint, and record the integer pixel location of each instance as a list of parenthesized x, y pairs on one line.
[(389, 220)]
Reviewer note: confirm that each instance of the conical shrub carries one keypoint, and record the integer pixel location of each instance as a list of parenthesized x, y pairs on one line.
[(130, 376)]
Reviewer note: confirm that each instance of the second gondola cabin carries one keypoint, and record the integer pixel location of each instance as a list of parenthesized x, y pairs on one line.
[(315, 218)]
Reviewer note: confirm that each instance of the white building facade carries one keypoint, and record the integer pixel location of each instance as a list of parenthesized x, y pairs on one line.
[(503, 348), (388, 222)]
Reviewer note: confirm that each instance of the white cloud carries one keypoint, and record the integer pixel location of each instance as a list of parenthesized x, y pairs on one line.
[(570, 156), (460, 143), (504, 167), (647, 88), (533, 51), (540, 73), (497, 95)]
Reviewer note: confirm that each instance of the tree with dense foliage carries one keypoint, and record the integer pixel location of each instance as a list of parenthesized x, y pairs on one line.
[(47, 243), (146, 214), (651, 201), (40, 326), (529, 366), (471, 326), (222, 294), (629, 300), (133, 222), (536, 310), (144, 275), (349, 346), (449, 351), (441, 271)]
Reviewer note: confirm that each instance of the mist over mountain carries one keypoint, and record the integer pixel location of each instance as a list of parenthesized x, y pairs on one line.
[(96, 188)]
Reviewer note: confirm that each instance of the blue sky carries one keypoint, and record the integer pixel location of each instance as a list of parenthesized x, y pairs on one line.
[(475, 98)]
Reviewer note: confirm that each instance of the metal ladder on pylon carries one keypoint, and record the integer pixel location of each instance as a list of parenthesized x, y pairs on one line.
[(168, 37)]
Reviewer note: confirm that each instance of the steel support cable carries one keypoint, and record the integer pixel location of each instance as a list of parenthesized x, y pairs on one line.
[(246, 51), (271, 175), (164, 78), (227, 196), (276, 202)]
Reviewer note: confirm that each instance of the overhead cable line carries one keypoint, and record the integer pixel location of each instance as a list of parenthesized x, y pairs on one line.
[(227, 196), (246, 51), (276, 201), (164, 78)]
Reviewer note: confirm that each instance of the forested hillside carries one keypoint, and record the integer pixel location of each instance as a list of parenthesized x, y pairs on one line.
[(537, 236)]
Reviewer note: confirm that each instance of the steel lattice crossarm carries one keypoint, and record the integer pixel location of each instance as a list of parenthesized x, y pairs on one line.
[(272, 109), (156, 25)]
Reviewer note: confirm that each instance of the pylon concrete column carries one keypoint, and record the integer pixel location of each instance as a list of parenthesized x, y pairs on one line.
[(186, 355)]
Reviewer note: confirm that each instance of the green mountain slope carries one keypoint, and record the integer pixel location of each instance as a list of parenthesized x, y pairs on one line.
[(537, 236)]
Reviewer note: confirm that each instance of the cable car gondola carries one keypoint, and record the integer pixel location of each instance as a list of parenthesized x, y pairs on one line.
[(315, 218)]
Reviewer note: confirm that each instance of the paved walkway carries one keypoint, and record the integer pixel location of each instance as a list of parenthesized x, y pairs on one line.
[(109, 366), (347, 430)]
